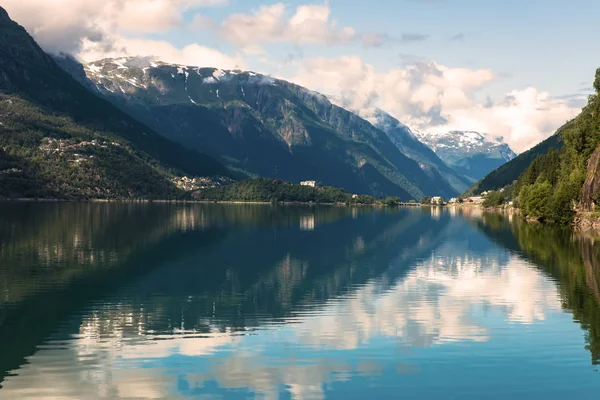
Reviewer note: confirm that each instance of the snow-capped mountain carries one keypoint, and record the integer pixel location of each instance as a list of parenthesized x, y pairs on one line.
[(409, 144), (259, 125), (470, 153)]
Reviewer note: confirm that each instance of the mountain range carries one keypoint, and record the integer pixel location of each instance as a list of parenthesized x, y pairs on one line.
[(129, 127), (408, 143), (262, 126), (469, 153)]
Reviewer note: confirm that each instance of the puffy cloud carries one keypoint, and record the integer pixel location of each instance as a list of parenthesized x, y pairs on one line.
[(96, 20), (308, 24), (192, 54), (524, 117), (425, 95), (435, 98)]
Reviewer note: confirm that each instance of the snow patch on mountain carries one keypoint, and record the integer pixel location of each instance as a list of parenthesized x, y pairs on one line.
[(467, 143), (218, 74)]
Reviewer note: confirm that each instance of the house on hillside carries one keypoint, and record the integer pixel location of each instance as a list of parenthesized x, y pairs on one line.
[(476, 199), (437, 200), (309, 183), (453, 200)]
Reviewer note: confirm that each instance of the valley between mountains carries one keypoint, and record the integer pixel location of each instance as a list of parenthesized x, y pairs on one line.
[(131, 127)]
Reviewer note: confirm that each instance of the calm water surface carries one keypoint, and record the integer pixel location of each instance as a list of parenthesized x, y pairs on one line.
[(105, 301)]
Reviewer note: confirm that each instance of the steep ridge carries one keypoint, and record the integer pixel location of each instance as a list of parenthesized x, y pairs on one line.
[(560, 183), (58, 139), (469, 153), (507, 173), (263, 126), (406, 141)]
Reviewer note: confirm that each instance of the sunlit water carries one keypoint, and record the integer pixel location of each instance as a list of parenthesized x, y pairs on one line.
[(105, 301)]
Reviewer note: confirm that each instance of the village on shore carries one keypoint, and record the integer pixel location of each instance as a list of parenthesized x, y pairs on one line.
[(471, 200)]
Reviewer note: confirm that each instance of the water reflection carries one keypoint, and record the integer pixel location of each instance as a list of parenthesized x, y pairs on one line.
[(570, 258), (163, 301)]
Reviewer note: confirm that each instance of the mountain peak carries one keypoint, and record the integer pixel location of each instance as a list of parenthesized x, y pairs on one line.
[(4, 16), (471, 153)]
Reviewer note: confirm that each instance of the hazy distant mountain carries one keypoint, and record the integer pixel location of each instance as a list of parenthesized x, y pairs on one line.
[(469, 153), (263, 126)]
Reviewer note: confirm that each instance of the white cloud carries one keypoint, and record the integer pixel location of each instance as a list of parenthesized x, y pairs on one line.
[(436, 98), (97, 20), (308, 24), (424, 95), (192, 54)]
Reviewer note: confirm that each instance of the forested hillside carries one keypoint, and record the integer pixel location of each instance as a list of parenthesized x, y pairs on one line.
[(276, 190), (561, 181), (59, 140), (510, 172)]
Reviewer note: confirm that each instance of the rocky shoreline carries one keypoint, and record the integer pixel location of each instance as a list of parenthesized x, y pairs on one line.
[(582, 221), (587, 221)]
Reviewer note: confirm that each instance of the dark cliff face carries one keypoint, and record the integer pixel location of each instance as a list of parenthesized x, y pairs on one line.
[(591, 186)]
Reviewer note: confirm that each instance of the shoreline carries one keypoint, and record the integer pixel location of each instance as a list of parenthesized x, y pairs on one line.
[(582, 221), (164, 201)]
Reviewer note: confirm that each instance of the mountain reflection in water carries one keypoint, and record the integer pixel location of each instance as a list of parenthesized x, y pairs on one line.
[(184, 301)]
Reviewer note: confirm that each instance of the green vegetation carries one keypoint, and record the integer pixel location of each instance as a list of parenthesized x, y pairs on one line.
[(276, 190), (552, 185), (494, 199), (277, 130), (48, 122), (571, 260), (550, 188), (508, 173)]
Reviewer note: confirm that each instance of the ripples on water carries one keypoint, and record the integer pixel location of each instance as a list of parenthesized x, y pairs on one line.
[(104, 301)]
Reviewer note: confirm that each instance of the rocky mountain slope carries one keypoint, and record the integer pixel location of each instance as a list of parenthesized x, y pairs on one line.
[(406, 141), (469, 153), (58, 139), (262, 126)]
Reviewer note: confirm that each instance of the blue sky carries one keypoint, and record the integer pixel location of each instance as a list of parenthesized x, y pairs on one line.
[(517, 69), (546, 44)]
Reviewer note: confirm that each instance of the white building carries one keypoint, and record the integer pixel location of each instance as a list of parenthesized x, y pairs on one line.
[(453, 200), (437, 200), (476, 199), (309, 183)]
